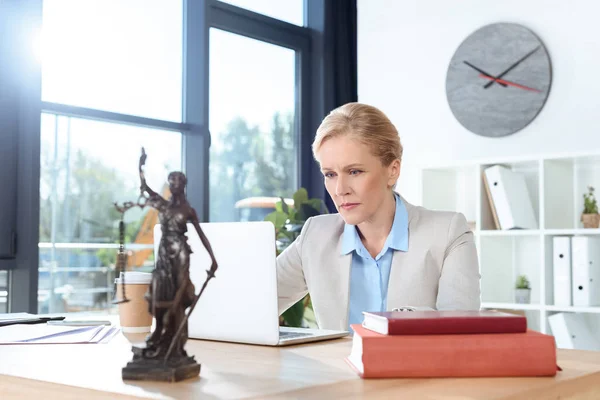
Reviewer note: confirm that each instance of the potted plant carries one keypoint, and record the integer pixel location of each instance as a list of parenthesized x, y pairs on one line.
[(522, 290), (590, 216), (288, 223)]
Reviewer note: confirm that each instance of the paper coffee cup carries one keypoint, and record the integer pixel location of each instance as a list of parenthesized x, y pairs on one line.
[(134, 316)]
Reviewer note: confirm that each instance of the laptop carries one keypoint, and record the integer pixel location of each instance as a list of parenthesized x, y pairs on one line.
[(240, 303)]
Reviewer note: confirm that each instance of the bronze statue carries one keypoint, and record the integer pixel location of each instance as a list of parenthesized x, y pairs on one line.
[(171, 290)]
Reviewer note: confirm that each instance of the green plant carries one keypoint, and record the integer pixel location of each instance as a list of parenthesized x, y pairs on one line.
[(590, 206), (522, 282), (288, 223)]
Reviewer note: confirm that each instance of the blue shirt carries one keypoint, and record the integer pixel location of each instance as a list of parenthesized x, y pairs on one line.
[(369, 276)]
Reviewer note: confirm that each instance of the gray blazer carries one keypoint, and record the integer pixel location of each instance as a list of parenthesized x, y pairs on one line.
[(440, 270)]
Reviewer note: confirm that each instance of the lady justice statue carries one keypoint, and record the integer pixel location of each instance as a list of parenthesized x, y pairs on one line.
[(171, 291)]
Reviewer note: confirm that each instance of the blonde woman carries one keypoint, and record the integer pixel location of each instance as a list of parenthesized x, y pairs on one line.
[(378, 252)]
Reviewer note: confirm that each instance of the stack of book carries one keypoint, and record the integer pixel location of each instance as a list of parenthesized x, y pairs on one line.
[(432, 344)]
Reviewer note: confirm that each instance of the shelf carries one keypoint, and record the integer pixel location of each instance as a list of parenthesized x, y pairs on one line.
[(512, 306), (515, 232), (453, 188), (538, 307), (533, 232), (571, 232), (594, 310), (556, 185), (502, 259)]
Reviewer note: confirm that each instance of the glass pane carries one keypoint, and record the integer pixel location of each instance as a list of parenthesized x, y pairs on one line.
[(86, 166), (3, 292), (253, 151), (291, 11), (120, 56)]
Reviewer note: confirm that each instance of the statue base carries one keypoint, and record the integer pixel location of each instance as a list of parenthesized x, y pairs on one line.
[(175, 370)]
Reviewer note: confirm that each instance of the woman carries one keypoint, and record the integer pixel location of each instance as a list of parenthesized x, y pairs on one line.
[(378, 252)]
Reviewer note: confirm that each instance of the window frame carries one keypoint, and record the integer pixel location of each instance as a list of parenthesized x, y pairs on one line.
[(198, 17)]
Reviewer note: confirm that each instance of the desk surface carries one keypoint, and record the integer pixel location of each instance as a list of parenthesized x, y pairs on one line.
[(316, 370)]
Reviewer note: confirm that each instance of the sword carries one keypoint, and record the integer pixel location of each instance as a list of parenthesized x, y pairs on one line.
[(211, 274)]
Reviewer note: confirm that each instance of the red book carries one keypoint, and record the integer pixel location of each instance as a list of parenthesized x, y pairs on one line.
[(443, 322), (375, 355)]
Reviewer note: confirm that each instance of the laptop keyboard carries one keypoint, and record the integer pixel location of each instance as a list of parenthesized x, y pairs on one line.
[(290, 335)]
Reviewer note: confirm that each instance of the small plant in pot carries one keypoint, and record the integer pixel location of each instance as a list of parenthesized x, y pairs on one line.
[(590, 216), (522, 290)]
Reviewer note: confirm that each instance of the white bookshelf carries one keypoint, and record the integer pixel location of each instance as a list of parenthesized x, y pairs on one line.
[(556, 184)]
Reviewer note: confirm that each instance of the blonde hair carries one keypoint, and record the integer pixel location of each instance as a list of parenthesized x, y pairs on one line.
[(366, 123)]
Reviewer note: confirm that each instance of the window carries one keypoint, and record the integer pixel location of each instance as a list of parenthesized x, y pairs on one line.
[(291, 11), (99, 58), (3, 291), (168, 75), (119, 56), (252, 123), (86, 166)]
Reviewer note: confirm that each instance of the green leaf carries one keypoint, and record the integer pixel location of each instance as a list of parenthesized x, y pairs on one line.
[(317, 204), (278, 207), (300, 197), (284, 206), (277, 218), (307, 211), (292, 215), (293, 315)]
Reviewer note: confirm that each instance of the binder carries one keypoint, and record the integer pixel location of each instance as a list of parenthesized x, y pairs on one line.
[(561, 262), (570, 331), (491, 202), (511, 198), (585, 260)]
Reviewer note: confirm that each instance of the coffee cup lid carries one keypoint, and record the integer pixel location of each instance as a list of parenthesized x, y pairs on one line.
[(135, 277)]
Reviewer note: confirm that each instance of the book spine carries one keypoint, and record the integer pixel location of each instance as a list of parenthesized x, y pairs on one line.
[(510, 357), (456, 326)]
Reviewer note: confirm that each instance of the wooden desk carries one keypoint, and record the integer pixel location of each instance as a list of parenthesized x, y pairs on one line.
[(241, 371)]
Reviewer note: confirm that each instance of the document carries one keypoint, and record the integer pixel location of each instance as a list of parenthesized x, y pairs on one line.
[(49, 334)]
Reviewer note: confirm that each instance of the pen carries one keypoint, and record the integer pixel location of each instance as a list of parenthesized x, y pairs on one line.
[(31, 321)]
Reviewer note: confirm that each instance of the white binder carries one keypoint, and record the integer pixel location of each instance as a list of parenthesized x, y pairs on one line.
[(561, 262), (585, 260), (570, 331), (511, 198)]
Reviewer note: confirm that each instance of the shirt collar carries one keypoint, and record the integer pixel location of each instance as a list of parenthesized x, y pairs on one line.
[(397, 239)]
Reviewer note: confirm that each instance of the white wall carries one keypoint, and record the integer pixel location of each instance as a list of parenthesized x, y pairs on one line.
[(404, 47)]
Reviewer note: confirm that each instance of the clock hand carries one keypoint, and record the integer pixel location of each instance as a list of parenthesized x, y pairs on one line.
[(510, 83), (483, 72), (487, 85)]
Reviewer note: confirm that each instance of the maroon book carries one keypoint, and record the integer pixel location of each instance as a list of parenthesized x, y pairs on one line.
[(443, 322)]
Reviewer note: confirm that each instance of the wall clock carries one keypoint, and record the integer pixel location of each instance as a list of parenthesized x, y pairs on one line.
[(498, 79)]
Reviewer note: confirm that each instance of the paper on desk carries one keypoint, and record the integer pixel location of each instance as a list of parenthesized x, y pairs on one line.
[(43, 333), (16, 316), (52, 334), (107, 334)]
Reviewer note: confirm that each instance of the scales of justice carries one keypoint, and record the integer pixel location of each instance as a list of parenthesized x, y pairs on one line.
[(171, 292)]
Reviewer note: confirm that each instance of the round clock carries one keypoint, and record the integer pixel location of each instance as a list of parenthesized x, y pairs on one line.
[(498, 79)]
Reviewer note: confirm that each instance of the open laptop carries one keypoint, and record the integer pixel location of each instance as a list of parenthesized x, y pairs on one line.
[(240, 303)]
